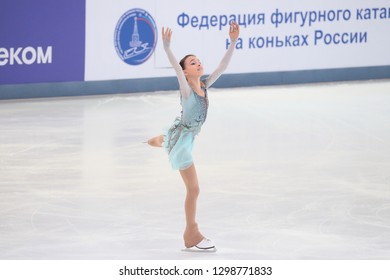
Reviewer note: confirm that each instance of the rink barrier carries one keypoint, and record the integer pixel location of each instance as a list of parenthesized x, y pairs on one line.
[(44, 90)]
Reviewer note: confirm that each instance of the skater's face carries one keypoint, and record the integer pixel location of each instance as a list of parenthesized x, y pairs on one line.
[(193, 67)]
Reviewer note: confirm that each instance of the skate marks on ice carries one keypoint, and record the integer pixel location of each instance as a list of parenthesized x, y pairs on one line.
[(295, 172)]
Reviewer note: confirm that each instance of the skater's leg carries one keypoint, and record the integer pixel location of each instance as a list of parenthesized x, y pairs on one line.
[(192, 236), (156, 141)]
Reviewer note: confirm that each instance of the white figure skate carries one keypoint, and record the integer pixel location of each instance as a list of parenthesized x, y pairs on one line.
[(204, 246)]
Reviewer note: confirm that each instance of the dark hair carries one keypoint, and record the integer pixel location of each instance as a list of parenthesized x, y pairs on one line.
[(184, 59)]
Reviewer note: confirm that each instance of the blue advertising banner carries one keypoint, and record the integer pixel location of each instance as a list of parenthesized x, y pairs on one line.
[(42, 41)]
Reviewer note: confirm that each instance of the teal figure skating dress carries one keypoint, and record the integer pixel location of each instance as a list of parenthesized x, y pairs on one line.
[(179, 138)]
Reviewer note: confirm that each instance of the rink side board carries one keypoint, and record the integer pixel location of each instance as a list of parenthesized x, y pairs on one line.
[(170, 83)]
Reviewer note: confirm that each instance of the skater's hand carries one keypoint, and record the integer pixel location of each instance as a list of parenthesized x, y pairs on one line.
[(166, 36), (234, 31)]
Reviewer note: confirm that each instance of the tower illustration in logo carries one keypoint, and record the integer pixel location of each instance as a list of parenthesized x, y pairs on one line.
[(135, 36), (135, 42)]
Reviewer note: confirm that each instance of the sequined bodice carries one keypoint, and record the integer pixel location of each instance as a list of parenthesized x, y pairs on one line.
[(195, 108)]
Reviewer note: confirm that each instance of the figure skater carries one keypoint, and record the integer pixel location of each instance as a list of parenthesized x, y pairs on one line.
[(179, 139)]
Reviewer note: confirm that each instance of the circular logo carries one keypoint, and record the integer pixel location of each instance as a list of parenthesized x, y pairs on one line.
[(135, 36)]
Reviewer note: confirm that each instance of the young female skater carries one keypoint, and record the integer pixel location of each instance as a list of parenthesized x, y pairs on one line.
[(179, 139)]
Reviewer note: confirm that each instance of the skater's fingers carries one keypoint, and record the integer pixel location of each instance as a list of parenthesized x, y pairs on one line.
[(166, 34)]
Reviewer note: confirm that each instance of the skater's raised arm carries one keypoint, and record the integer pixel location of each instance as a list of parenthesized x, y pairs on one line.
[(185, 89), (234, 32)]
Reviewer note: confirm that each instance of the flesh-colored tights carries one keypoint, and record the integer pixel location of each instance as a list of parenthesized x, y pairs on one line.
[(192, 235)]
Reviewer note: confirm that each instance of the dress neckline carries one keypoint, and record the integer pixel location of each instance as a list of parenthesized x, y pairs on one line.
[(204, 91)]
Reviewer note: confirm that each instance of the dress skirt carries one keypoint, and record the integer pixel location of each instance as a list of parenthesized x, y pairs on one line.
[(178, 142)]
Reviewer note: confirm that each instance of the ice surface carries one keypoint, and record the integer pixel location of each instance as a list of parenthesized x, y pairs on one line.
[(288, 172)]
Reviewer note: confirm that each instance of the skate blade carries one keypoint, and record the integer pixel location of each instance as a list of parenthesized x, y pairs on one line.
[(198, 250)]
